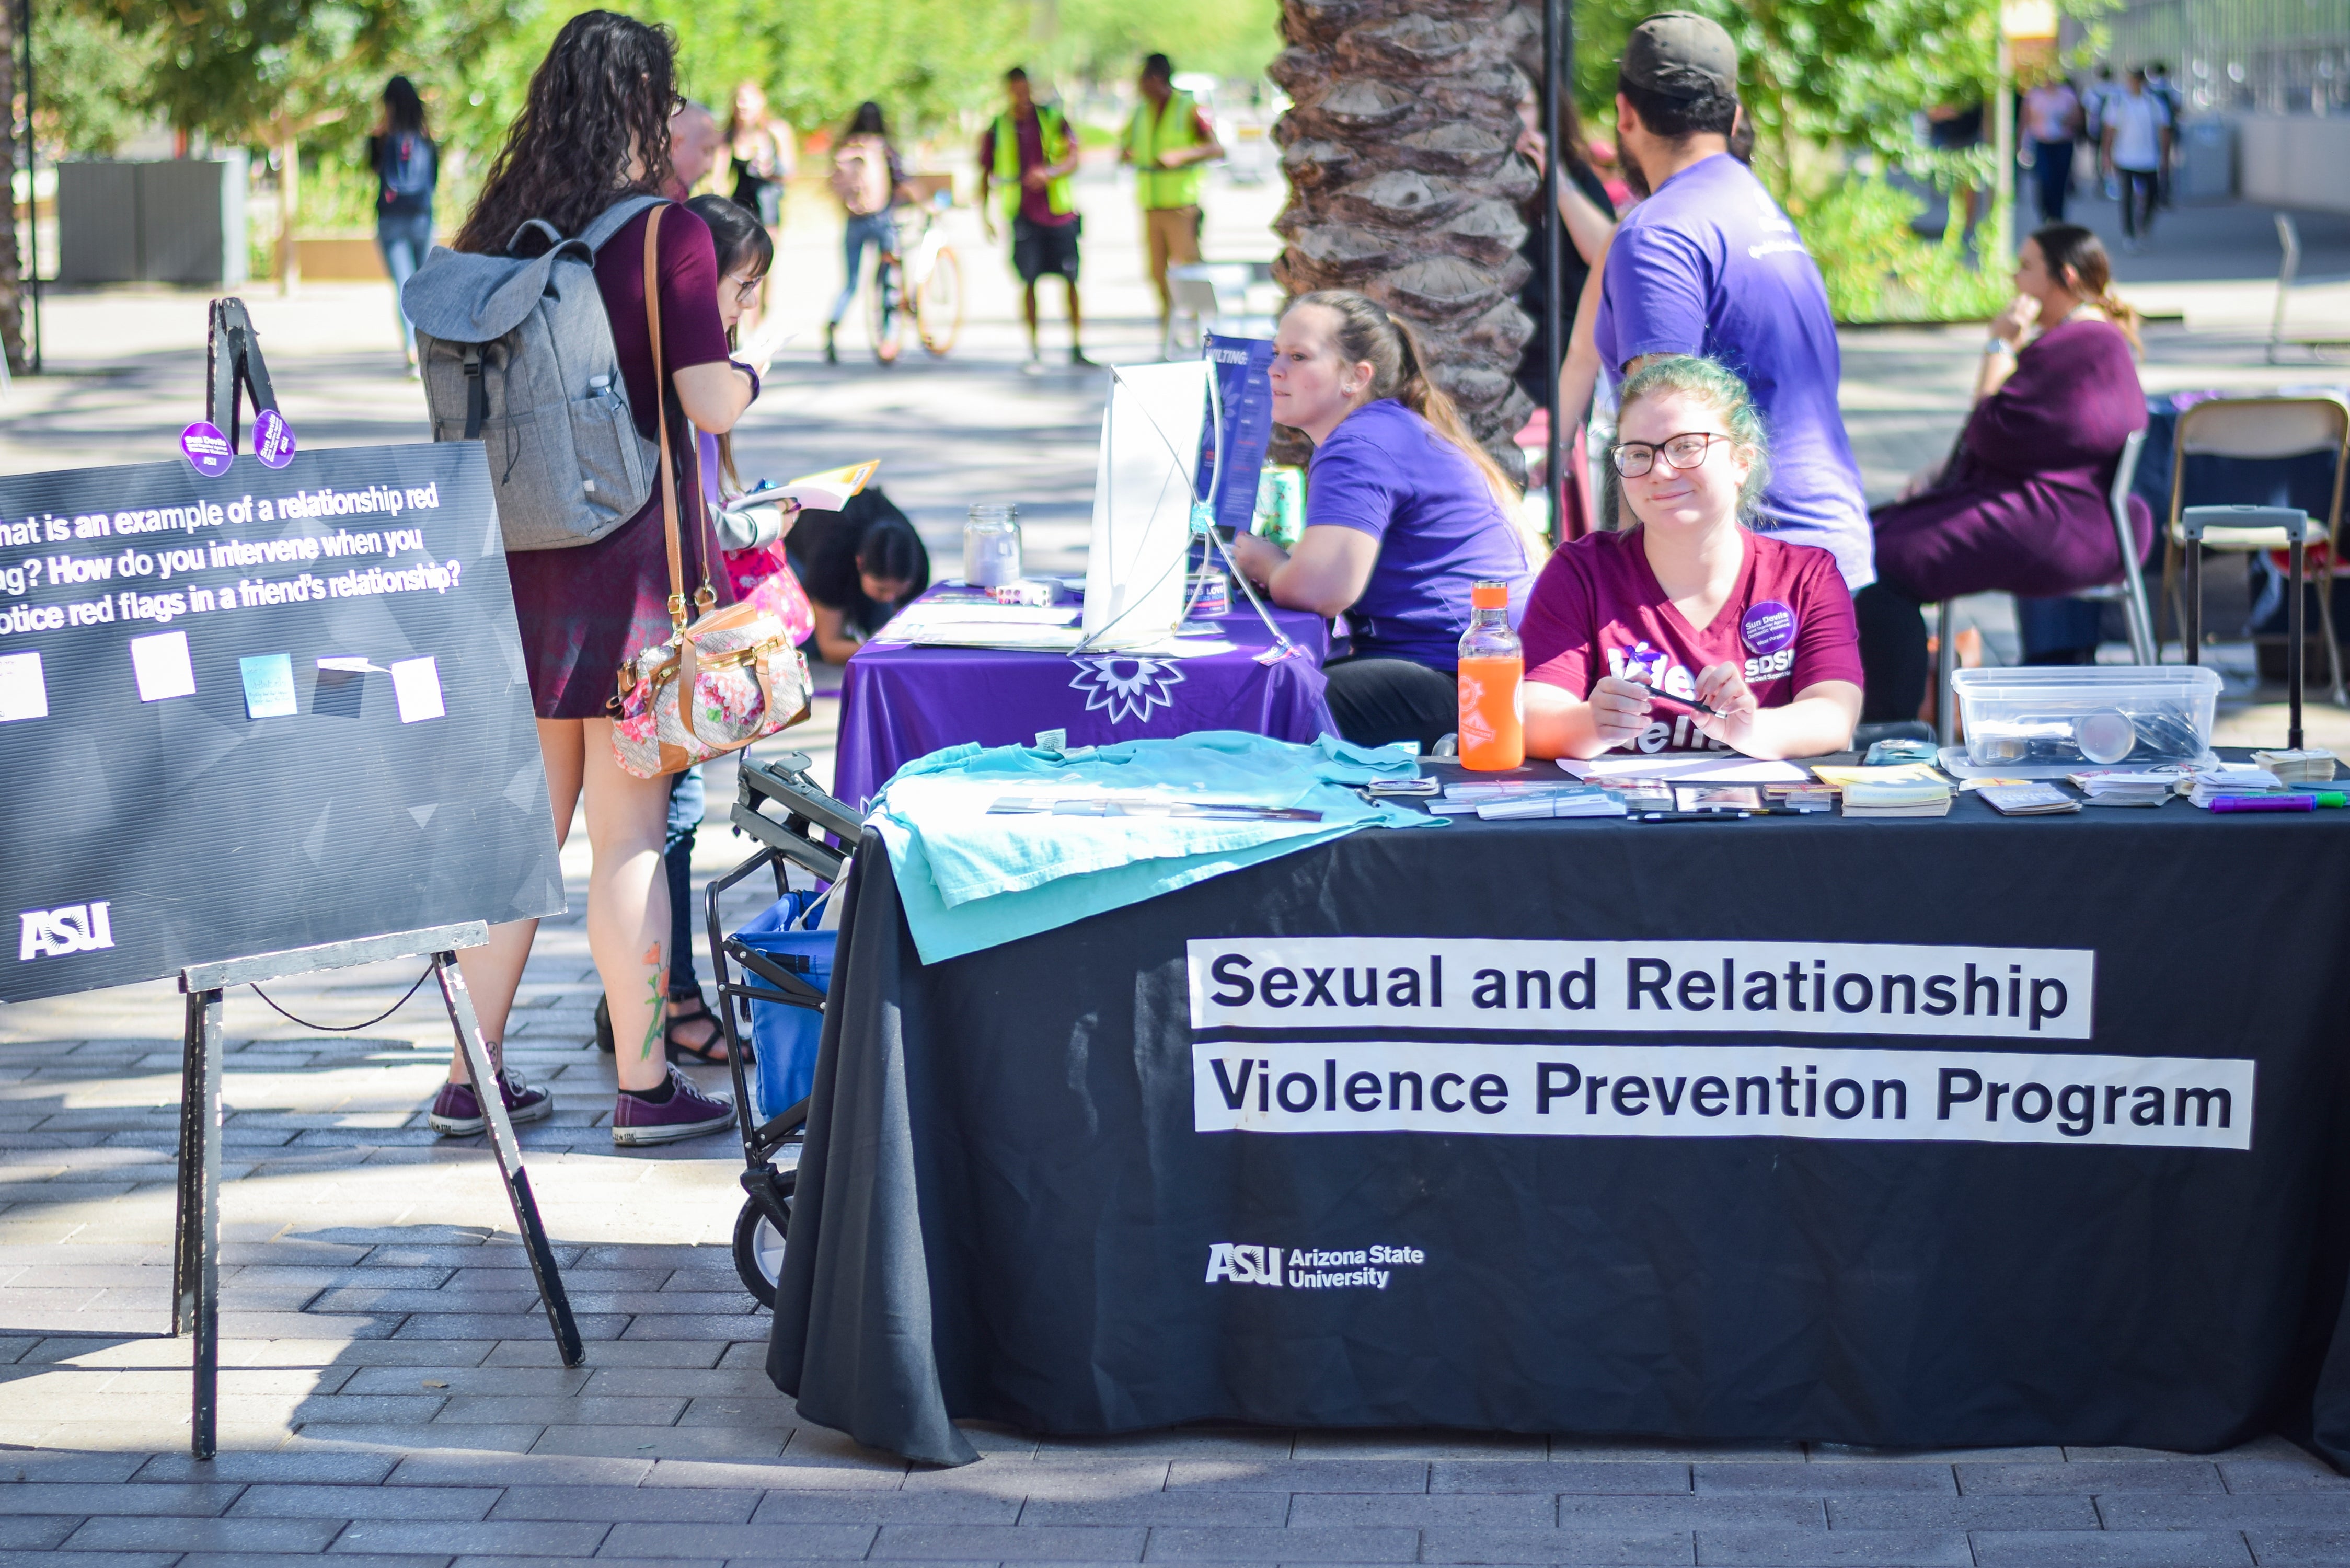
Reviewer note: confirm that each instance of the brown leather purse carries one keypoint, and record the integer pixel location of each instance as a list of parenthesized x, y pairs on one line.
[(729, 678)]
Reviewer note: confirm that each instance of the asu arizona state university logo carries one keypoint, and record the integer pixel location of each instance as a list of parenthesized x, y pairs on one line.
[(71, 929)]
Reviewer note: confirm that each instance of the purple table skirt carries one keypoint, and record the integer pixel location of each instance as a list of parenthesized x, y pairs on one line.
[(900, 704)]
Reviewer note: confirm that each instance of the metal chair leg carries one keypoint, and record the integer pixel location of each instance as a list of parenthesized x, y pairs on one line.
[(1946, 663), (2296, 655), (2326, 621), (195, 1263)]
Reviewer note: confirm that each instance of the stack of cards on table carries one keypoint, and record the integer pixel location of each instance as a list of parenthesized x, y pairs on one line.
[(1509, 800), (2031, 799), (2233, 778), (1801, 797), (2132, 787), (1897, 797), (1401, 789), (2310, 765)]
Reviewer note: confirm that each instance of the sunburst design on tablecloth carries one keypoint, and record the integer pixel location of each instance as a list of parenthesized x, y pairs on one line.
[(1128, 687)]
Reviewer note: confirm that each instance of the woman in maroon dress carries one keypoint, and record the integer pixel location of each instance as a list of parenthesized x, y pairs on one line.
[(2022, 506), (595, 129)]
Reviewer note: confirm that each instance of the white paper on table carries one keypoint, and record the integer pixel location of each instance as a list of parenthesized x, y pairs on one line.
[(416, 683), (24, 693), (1010, 639), (161, 664), (351, 665), (1729, 767)]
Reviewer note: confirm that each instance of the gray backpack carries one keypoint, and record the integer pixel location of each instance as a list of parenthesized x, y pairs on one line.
[(518, 354)]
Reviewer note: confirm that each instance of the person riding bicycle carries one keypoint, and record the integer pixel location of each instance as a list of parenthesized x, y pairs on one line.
[(869, 179)]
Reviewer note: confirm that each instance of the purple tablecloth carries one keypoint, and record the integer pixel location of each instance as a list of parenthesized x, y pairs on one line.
[(897, 703)]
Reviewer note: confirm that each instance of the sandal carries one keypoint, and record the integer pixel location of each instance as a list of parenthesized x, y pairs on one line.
[(711, 1053), (707, 1052)]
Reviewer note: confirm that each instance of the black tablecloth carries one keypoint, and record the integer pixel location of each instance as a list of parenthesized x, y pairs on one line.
[(1004, 1210)]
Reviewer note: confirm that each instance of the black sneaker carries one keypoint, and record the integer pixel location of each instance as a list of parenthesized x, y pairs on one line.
[(457, 1112)]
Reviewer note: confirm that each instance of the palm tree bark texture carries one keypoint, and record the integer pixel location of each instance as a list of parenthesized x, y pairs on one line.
[(1405, 184), (12, 313)]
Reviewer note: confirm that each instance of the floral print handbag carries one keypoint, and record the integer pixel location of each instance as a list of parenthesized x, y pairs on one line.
[(725, 680)]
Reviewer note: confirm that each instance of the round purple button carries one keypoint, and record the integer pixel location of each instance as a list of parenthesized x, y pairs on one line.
[(273, 439), (206, 448), (1767, 628)]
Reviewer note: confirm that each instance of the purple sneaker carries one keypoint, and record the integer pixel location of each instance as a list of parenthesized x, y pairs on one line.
[(457, 1114), (687, 1113)]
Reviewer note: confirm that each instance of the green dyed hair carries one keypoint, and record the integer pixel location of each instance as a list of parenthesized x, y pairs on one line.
[(1695, 376)]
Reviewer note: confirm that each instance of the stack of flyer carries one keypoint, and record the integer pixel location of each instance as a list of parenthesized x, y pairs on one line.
[(1897, 797), (2233, 778), (2134, 786), (2310, 766), (1510, 800)]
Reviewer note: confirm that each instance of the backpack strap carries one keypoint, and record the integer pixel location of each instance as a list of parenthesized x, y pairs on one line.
[(553, 237), (477, 396), (614, 218)]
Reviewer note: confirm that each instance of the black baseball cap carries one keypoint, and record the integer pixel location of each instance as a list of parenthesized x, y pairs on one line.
[(1681, 55)]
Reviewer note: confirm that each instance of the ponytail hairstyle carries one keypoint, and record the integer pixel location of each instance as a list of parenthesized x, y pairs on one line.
[(1712, 382), (2076, 258), (735, 237), (1367, 334)]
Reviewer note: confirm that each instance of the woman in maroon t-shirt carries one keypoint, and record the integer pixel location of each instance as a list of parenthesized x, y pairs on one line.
[(1628, 634), (594, 130)]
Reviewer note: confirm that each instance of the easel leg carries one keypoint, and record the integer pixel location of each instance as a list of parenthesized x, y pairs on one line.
[(195, 1260), (501, 1142)]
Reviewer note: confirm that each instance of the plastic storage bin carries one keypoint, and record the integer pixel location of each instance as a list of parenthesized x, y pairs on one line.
[(2062, 719), (783, 1037)]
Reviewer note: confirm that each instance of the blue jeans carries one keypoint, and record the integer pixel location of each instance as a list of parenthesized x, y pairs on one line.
[(874, 230), (403, 242), (685, 806)]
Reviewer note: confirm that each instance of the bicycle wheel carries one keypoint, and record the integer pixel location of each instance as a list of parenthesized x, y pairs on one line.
[(939, 307), (885, 307)]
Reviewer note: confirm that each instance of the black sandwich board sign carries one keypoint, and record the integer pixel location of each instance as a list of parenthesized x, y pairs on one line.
[(272, 710), (261, 715)]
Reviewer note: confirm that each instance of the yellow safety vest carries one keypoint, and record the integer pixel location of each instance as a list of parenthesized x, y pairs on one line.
[(1053, 135), (1177, 125)]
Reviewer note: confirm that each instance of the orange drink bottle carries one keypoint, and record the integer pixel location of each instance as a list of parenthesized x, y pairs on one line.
[(1493, 682)]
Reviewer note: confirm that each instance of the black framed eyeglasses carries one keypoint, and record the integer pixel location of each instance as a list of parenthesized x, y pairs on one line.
[(1634, 458)]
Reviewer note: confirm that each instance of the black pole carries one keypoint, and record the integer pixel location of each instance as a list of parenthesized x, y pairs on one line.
[(1558, 77), (31, 269)]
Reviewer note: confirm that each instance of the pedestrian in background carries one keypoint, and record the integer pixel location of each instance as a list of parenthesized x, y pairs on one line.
[(1590, 217), (693, 144), (407, 170), (1167, 141), (764, 156), (1028, 156), (2052, 124), (869, 179), (2174, 108), (2137, 145)]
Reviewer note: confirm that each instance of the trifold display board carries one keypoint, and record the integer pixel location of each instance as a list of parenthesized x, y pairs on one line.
[(267, 711)]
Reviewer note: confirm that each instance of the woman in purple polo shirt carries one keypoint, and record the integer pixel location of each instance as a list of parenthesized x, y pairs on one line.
[(1403, 511)]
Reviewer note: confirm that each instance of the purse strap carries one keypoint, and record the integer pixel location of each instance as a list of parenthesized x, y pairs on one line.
[(706, 596)]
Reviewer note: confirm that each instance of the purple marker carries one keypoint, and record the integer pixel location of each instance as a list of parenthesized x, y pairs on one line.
[(2232, 802)]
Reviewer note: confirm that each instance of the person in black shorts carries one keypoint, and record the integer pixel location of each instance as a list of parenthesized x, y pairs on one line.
[(1028, 156)]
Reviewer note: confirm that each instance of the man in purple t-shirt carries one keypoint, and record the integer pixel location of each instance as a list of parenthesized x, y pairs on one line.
[(1708, 264)]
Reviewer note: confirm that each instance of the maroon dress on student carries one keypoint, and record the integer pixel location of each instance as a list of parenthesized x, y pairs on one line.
[(585, 610), (2022, 507)]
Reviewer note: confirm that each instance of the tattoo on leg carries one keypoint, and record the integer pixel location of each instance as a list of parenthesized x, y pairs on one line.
[(657, 993)]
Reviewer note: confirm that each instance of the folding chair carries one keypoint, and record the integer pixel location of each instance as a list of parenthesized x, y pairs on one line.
[(2129, 587), (2258, 428)]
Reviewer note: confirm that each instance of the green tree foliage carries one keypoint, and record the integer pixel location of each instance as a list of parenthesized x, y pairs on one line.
[(1105, 41), (90, 77)]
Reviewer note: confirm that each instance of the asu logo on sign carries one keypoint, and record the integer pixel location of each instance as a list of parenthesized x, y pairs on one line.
[(72, 929), (1244, 1264)]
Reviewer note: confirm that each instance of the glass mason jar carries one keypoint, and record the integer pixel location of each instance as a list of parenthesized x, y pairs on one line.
[(991, 544)]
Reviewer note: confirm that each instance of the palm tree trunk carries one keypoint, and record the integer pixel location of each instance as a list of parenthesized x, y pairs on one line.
[(12, 305), (1404, 184)]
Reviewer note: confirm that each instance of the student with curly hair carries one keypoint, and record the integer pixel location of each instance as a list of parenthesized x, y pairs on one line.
[(594, 129)]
